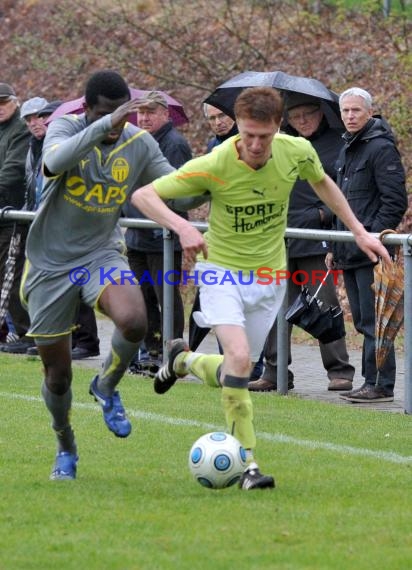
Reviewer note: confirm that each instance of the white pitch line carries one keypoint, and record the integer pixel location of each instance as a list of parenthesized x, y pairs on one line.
[(389, 456)]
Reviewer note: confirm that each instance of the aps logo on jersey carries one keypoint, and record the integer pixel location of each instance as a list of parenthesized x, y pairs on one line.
[(102, 194)]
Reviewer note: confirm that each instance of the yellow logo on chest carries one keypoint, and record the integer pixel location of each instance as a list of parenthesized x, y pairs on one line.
[(98, 193), (120, 169)]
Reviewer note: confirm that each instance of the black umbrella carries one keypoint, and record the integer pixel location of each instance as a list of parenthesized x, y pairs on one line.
[(308, 313), (224, 96)]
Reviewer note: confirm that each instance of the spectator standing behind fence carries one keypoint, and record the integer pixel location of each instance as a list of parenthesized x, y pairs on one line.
[(304, 117), (372, 178), (91, 163), (249, 177), (14, 144), (29, 113), (221, 125), (145, 246)]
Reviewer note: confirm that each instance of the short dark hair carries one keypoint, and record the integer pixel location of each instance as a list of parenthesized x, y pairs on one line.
[(107, 83), (260, 104)]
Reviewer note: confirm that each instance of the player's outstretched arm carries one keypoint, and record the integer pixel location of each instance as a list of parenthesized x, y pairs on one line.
[(148, 201)]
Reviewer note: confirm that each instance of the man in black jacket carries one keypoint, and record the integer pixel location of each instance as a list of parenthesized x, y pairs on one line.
[(304, 117), (14, 144), (145, 246), (372, 178)]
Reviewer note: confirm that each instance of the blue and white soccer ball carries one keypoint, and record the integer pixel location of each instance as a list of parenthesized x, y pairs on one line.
[(217, 460)]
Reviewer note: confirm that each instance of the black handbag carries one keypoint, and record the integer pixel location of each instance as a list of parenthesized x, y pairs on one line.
[(308, 313)]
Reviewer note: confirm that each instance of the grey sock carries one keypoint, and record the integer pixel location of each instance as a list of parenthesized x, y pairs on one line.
[(116, 363), (59, 407)]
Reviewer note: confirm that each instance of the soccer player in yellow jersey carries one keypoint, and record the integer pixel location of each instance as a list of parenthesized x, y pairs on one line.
[(249, 177)]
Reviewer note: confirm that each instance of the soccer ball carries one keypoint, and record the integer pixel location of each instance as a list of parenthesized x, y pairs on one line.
[(217, 460)]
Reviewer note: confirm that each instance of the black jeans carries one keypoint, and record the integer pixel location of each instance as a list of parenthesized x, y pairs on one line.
[(141, 262), (362, 304)]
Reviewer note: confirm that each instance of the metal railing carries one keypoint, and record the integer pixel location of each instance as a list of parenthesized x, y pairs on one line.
[(404, 240)]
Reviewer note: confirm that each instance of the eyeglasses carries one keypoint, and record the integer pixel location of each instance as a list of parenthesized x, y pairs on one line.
[(304, 115)]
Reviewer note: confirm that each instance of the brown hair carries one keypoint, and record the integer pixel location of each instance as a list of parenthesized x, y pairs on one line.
[(263, 104)]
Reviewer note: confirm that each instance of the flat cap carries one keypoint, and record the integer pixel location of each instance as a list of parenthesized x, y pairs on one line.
[(152, 99), (32, 106), (6, 91)]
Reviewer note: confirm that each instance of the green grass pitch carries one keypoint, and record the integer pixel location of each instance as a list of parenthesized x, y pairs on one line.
[(343, 474)]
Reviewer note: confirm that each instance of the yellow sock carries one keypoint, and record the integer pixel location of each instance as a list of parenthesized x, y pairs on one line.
[(204, 366), (238, 409)]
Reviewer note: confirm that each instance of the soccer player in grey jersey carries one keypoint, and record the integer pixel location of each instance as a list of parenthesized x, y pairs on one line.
[(75, 250)]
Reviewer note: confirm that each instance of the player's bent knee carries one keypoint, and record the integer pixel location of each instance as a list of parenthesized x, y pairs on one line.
[(58, 383), (133, 329), (240, 362)]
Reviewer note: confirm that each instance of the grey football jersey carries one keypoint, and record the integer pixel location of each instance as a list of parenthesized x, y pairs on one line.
[(82, 200)]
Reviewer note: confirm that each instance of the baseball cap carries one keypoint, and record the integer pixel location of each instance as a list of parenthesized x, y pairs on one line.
[(6, 91), (49, 108), (152, 99), (32, 106), (297, 99)]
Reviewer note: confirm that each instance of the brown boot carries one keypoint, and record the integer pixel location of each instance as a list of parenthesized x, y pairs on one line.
[(340, 384), (261, 385)]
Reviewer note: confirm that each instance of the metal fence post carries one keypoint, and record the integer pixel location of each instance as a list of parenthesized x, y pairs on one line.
[(282, 348), (283, 344), (168, 297)]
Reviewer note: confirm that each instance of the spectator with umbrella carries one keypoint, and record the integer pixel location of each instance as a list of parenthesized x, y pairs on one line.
[(224, 96), (221, 125)]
